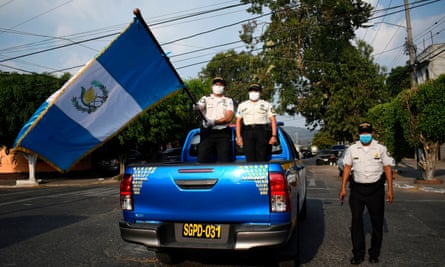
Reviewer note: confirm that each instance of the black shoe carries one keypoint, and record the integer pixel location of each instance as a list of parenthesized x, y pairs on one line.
[(356, 260), (373, 260)]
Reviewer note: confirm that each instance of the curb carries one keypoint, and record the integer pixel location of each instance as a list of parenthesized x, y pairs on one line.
[(59, 182)]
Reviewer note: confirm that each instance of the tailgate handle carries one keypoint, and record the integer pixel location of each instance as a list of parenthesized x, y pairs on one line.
[(196, 184)]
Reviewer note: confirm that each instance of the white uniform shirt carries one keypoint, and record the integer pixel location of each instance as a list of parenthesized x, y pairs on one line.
[(368, 161), (215, 108), (257, 112)]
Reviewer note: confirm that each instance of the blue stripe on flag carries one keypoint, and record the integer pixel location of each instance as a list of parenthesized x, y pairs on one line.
[(128, 77), (140, 68), (59, 139), (30, 122)]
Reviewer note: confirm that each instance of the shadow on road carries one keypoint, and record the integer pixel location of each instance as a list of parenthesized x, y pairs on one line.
[(25, 227), (312, 231)]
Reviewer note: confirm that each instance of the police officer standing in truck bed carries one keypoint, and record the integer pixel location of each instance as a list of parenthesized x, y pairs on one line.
[(253, 132), (216, 134)]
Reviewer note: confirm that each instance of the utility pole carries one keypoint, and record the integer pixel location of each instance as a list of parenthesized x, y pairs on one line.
[(410, 46)]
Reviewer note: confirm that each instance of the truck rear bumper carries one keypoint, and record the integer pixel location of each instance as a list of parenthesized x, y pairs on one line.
[(241, 237)]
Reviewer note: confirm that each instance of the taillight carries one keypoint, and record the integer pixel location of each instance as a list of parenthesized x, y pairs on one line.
[(126, 193), (279, 194)]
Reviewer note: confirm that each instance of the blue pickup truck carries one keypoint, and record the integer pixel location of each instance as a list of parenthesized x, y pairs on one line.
[(172, 207)]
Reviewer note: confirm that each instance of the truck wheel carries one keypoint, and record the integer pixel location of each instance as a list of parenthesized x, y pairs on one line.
[(167, 257)]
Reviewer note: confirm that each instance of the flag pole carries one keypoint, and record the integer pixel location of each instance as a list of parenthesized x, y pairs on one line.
[(138, 14)]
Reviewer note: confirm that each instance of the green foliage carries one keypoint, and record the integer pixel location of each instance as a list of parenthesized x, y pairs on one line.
[(388, 129), (168, 121), (413, 118), (238, 70), (426, 105), (314, 67), (323, 140), (20, 96), (398, 80)]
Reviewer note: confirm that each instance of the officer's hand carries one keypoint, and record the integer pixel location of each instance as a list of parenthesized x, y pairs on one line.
[(195, 107), (342, 195), (389, 196), (273, 140), (209, 123), (239, 141)]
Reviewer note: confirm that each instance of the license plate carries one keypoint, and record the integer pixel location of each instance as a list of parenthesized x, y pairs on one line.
[(200, 230)]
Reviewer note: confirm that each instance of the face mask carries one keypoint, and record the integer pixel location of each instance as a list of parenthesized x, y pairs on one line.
[(218, 89), (254, 96), (365, 138)]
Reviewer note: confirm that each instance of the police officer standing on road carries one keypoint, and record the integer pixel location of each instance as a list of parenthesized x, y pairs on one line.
[(252, 130), (216, 134), (369, 159)]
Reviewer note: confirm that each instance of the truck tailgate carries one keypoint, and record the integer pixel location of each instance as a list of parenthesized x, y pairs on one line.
[(204, 193)]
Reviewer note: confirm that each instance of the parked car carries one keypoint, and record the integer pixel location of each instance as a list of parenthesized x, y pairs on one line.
[(171, 154), (134, 156), (306, 153), (326, 157), (107, 165)]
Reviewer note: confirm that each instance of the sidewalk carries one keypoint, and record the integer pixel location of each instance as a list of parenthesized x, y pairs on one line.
[(407, 177), (11, 182)]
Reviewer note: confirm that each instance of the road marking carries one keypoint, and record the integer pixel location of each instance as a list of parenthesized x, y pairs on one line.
[(312, 182)]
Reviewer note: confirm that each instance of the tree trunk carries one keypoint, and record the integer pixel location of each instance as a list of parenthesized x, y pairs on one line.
[(428, 159)]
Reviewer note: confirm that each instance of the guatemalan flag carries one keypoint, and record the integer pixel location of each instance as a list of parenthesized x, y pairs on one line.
[(125, 79)]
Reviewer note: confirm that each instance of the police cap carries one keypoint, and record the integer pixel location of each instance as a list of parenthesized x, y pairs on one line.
[(218, 79), (365, 127), (254, 87)]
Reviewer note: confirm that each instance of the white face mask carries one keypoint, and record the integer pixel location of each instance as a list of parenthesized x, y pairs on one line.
[(254, 96), (218, 89)]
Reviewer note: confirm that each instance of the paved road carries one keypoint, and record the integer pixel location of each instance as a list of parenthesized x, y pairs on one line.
[(76, 225), (414, 225)]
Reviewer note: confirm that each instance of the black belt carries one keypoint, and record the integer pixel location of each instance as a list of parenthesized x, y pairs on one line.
[(371, 184), (255, 126)]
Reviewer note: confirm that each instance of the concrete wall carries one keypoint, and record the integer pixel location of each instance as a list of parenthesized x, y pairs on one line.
[(14, 165)]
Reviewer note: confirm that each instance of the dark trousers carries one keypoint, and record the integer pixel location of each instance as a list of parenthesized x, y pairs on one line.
[(215, 143), (256, 143), (371, 196)]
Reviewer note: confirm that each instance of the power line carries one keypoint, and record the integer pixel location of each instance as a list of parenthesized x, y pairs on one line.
[(190, 36)]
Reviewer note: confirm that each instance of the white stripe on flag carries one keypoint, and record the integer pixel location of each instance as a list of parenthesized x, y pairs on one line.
[(98, 103)]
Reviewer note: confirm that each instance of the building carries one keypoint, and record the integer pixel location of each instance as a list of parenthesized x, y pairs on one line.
[(430, 63)]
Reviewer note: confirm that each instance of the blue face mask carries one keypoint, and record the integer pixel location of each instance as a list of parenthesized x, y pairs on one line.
[(365, 138)]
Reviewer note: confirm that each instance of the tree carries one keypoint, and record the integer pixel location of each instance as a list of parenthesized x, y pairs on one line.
[(323, 140), (398, 79), (238, 70), (423, 118), (388, 129), (343, 94), (20, 97), (316, 70)]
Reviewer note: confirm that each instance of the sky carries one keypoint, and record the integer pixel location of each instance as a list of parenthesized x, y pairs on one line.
[(38, 36)]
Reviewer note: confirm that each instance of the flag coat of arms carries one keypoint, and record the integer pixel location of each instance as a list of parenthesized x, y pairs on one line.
[(125, 79)]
